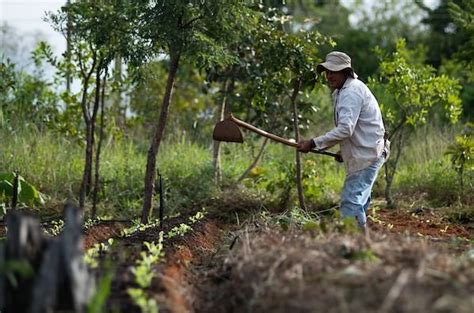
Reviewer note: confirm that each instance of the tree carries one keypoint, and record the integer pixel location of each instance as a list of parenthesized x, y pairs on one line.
[(25, 99), (444, 38), (92, 47), (463, 62), (180, 29), (462, 154), (410, 94), (280, 64)]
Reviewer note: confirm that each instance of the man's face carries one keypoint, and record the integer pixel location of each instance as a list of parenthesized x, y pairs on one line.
[(335, 79)]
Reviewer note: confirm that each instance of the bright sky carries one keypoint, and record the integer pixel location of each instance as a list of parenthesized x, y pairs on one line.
[(26, 17)]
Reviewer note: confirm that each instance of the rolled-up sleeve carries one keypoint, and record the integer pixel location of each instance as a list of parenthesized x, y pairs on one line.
[(347, 113)]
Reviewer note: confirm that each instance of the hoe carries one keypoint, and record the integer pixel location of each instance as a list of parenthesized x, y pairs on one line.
[(228, 130)]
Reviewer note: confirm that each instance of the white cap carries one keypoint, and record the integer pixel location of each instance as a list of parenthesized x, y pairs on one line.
[(336, 61)]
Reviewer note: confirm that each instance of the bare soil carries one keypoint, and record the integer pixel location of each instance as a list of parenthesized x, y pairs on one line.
[(421, 222), (413, 262), (402, 268)]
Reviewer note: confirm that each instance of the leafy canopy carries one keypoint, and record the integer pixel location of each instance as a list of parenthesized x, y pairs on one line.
[(410, 90)]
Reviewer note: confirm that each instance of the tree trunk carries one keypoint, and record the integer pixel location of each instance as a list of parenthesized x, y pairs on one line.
[(88, 155), (68, 49), (298, 169), (98, 150), (391, 167), (90, 120), (156, 140), (216, 153), (255, 161), (119, 114)]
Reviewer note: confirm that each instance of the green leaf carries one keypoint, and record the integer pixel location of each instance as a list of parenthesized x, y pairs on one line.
[(27, 193)]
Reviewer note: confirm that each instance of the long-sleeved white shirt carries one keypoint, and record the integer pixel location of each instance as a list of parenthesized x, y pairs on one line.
[(359, 126)]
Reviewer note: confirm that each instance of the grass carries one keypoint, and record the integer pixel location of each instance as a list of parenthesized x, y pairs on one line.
[(54, 165), (425, 169)]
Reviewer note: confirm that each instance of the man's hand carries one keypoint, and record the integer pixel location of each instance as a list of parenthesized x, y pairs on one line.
[(305, 146), (338, 157)]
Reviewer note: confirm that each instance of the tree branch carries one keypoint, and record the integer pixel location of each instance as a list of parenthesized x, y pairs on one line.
[(187, 24)]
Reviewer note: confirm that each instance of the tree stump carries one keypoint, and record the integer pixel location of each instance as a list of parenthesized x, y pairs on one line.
[(43, 274)]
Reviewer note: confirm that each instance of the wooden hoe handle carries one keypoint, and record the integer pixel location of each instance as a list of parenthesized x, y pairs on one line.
[(274, 137)]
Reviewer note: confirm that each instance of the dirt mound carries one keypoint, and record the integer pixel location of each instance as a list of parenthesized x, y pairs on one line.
[(421, 222), (272, 271), (101, 232), (176, 287)]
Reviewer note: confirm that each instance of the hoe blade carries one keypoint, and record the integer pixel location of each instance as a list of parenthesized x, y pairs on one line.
[(227, 130)]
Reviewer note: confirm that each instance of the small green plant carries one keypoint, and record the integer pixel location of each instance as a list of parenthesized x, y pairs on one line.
[(13, 270), (56, 227), (180, 230), (462, 153), (143, 275), (98, 301), (27, 193), (143, 271), (91, 255), (298, 218), (140, 298), (361, 255), (137, 226), (198, 216), (94, 221)]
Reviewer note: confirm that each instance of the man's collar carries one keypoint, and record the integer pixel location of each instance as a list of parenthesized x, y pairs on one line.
[(347, 82)]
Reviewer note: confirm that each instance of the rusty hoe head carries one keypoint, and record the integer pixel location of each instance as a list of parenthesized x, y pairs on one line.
[(227, 130)]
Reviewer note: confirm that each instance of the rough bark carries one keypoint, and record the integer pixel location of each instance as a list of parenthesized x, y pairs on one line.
[(299, 183), (150, 174), (391, 167), (117, 106), (57, 278), (68, 49), (24, 245), (99, 150), (216, 153), (87, 117)]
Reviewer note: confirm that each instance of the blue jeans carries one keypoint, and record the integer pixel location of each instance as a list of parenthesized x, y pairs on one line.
[(355, 197)]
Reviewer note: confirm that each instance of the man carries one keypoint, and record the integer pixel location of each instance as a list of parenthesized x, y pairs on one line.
[(359, 131)]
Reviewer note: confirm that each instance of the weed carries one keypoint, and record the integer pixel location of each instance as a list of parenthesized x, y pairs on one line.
[(140, 298), (56, 227), (92, 254), (180, 230), (98, 301), (143, 274)]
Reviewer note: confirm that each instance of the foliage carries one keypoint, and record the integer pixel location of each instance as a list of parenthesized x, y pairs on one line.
[(7, 76), (190, 110), (411, 90), (187, 171), (444, 38), (25, 98), (276, 62), (462, 155), (143, 274), (56, 227), (140, 298), (410, 93), (14, 269), (377, 23), (98, 301), (180, 230), (27, 193), (92, 254), (463, 16)]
